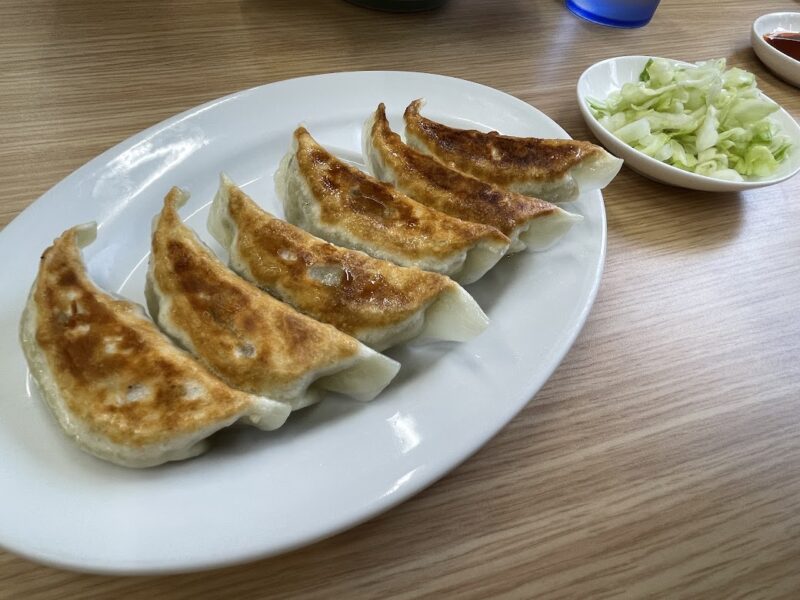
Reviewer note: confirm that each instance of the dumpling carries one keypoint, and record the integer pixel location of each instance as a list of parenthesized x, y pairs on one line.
[(528, 222), (551, 169), (117, 386), (373, 300), (249, 339), (347, 207)]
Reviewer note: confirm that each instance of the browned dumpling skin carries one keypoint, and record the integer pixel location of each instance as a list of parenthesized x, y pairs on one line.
[(344, 205), (251, 340), (429, 181), (553, 169), (376, 301), (115, 383)]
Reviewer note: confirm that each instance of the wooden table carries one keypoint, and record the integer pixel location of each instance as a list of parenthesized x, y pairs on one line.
[(662, 458)]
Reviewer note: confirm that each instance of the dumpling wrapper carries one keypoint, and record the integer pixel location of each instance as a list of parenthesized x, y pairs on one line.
[(249, 339), (118, 386), (528, 222), (347, 207), (375, 301), (552, 169)]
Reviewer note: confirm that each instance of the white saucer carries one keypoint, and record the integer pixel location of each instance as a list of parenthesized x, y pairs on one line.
[(779, 63)]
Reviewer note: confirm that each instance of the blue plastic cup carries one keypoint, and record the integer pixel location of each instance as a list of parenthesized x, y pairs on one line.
[(615, 13)]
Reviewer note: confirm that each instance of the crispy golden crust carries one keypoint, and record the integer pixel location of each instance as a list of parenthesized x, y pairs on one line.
[(367, 292), (250, 339), (494, 158), (115, 371), (372, 210), (429, 181)]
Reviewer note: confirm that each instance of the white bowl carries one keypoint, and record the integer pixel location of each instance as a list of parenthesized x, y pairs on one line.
[(602, 78), (779, 63)]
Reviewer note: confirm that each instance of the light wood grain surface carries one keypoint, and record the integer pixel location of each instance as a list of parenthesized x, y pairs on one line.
[(663, 457)]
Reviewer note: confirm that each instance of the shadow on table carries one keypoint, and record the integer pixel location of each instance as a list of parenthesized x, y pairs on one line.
[(645, 211)]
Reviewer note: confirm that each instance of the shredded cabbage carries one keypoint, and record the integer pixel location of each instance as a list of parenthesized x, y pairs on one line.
[(700, 118)]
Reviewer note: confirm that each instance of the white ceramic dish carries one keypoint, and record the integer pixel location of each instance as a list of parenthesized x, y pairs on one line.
[(779, 63), (599, 80), (332, 466)]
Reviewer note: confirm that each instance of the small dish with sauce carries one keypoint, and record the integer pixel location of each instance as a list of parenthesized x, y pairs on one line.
[(776, 47)]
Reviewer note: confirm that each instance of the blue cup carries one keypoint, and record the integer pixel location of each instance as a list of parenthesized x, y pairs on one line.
[(615, 13)]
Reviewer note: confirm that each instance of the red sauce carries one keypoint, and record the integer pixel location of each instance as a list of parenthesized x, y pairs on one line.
[(787, 42)]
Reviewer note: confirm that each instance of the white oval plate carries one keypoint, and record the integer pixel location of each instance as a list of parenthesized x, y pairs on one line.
[(332, 466), (779, 63), (606, 76)]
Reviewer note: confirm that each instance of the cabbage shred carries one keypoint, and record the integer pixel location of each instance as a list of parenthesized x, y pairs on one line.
[(700, 118)]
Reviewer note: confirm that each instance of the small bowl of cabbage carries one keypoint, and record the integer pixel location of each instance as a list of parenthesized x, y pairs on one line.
[(702, 127)]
